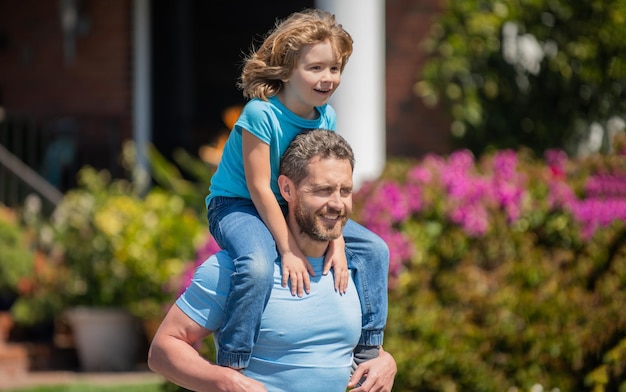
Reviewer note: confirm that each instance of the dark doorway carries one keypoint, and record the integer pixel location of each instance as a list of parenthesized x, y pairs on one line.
[(197, 49)]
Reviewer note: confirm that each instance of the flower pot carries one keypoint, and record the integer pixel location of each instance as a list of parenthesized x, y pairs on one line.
[(106, 339)]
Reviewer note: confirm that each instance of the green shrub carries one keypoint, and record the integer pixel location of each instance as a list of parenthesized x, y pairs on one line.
[(16, 257), (110, 246), (538, 73)]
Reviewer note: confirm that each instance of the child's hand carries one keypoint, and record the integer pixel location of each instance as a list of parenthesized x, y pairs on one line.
[(336, 258), (296, 272)]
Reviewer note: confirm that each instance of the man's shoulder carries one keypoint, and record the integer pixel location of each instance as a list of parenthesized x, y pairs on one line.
[(208, 273), (221, 260), (205, 297)]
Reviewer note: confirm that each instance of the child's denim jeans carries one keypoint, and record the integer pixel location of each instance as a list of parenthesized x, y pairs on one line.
[(237, 227)]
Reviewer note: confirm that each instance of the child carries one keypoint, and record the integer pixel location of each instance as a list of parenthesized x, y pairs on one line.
[(289, 80)]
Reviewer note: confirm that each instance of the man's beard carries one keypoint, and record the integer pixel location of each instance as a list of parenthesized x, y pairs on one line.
[(312, 225)]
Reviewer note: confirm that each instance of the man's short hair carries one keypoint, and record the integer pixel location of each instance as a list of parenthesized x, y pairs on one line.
[(310, 144)]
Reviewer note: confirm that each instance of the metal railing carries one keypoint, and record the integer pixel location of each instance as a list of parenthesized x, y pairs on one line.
[(18, 180), (43, 156)]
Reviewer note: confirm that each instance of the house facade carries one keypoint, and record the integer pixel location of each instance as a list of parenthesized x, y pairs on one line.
[(83, 76)]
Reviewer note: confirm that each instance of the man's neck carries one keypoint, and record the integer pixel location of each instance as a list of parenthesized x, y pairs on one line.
[(310, 247)]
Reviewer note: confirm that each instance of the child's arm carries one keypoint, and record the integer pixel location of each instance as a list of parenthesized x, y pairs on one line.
[(295, 266), (336, 258)]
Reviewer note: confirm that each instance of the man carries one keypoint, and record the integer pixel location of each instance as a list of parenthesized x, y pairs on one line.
[(305, 344)]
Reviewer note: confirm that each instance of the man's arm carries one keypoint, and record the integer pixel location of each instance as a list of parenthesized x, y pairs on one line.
[(379, 372), (173, 355)]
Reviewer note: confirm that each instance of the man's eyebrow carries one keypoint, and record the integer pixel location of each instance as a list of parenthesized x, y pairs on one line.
[(319, 186), (314, 187)]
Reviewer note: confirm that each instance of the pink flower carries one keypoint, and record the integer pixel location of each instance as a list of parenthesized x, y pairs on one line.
[(556, 161)]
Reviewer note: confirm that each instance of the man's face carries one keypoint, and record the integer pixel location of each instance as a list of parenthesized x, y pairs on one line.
[(323, 200)]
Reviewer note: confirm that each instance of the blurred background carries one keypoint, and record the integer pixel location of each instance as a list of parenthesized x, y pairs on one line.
[(492, 132), (78, 77)]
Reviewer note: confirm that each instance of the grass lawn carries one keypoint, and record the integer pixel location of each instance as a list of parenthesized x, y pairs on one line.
[(156, 386)]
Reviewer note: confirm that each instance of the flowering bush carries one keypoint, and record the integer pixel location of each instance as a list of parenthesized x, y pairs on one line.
[(506, 272), (114, 247)]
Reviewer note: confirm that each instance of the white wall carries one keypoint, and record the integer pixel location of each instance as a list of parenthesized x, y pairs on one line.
[(360, 100)]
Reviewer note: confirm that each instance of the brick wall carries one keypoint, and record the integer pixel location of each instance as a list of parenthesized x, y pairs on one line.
[(412, 128), (37, 79)]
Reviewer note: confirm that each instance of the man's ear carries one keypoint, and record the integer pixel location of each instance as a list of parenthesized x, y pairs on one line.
[(287, 188)]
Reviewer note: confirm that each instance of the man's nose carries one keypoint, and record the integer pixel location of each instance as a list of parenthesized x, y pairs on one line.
[(334, 201)]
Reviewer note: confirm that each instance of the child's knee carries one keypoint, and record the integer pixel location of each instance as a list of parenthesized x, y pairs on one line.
[(261, 271)]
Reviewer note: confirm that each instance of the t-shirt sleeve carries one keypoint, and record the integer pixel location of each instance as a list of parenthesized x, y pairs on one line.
[(257, 118), (203, 301)]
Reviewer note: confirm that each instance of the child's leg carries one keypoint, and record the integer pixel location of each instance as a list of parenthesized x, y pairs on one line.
[(368, 254), (239, 230)]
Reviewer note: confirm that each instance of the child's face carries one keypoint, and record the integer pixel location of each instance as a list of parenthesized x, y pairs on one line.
[(314, 79)]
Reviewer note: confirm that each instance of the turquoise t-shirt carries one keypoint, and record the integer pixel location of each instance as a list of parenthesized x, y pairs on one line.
[(304, 344), (273, 124)]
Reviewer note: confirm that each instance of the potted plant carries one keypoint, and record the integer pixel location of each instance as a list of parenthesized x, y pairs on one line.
[(121, 254)]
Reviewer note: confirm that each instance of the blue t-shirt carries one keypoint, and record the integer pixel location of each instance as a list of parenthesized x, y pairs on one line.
[(272, 123), (304, 344)]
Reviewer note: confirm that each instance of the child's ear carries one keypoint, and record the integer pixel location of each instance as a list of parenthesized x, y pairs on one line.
[(286, 187)]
